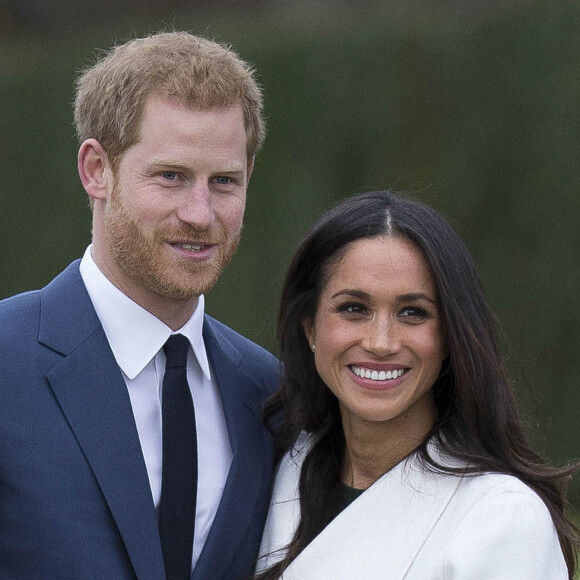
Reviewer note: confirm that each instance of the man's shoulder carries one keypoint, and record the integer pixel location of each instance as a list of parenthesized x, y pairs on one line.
[(237, 339), (252, 354), (18, 308), (20, 321), (23, 310)]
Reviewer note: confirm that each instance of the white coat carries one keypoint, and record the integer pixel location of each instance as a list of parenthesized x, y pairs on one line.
[(413, 524)]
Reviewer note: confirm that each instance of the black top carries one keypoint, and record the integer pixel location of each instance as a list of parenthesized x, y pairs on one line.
[(350, 494)]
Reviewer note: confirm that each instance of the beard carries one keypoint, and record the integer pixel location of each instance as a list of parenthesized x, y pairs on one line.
[(146, 260)]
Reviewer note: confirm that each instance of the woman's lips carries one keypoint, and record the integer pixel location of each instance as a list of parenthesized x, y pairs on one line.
[(377, 375)]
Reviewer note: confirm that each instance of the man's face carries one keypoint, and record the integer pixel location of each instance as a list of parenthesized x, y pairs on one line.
[(173, 217)]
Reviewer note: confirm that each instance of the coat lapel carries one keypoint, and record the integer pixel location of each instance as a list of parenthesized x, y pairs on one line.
[(93, 396), (241, 399), (383, 530)]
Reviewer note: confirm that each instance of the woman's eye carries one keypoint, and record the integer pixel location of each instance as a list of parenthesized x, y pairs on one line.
[(352, 308), (413, 312)]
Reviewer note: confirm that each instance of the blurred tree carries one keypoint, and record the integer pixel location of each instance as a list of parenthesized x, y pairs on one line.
[(473, 107)]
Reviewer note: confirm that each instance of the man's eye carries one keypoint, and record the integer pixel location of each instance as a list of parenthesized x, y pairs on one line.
[(169, 175), (222, 180)]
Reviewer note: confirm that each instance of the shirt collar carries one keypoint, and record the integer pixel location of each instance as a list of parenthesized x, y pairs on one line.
[(134, 334)]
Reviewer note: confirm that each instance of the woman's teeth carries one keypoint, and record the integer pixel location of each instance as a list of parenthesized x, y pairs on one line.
[(377, 375)]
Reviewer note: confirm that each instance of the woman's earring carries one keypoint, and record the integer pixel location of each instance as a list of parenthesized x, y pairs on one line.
[(313, 347)]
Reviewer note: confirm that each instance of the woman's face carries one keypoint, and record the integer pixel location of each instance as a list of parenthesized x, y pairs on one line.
[(378, 336)]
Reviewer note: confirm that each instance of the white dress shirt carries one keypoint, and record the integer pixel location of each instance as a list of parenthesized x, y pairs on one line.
[(136, 338)]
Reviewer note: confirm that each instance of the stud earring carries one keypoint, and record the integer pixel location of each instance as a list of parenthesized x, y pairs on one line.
[(313, 347)]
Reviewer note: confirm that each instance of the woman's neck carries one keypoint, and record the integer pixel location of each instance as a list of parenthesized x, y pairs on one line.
[(373, 448)]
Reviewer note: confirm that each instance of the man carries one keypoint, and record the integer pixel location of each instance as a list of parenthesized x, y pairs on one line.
[(169, 126)]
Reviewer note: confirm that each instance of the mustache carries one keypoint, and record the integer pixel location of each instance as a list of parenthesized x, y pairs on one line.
[(186, 234)]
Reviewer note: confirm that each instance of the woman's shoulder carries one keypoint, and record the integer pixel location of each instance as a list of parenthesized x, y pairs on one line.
[(494, 513), (489, 487), (499, 483), (499, 515), (508, 497)]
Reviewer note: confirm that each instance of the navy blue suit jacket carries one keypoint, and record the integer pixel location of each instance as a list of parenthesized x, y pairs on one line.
[(75, 501)]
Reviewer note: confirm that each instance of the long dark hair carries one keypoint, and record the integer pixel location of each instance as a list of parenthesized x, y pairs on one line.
[(477, 418)]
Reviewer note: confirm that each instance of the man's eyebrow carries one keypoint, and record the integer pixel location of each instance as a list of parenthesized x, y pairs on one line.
[(172, 164), (167, 164)]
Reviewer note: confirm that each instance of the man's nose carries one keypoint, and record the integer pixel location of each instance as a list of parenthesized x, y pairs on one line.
[(195, 207)]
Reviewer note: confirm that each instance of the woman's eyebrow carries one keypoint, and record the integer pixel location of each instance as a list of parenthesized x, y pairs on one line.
[(415, 296)]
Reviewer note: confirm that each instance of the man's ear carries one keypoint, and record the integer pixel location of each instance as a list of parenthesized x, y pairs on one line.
[(250, 168), (94, 169)]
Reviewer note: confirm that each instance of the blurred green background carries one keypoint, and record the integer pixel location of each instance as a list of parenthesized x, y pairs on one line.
[(472, 107)]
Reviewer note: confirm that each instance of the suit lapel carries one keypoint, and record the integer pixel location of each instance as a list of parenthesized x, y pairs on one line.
[(241, 399), (93, 396)]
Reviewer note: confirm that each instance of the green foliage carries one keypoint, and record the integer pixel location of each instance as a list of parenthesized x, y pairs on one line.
[(475, 112)]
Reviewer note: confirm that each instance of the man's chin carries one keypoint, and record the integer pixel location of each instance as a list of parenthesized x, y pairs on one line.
[(185, 290)]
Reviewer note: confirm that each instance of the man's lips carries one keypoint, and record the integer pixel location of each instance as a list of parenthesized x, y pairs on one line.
[(200, 250), (190, 247)]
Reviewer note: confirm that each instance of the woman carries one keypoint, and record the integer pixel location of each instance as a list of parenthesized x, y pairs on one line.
[(405, 457)]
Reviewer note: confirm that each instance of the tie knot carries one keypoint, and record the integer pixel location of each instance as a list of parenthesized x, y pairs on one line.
[(176, 349)]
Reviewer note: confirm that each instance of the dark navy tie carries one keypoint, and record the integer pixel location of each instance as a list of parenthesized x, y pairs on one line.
[(179, 475)]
